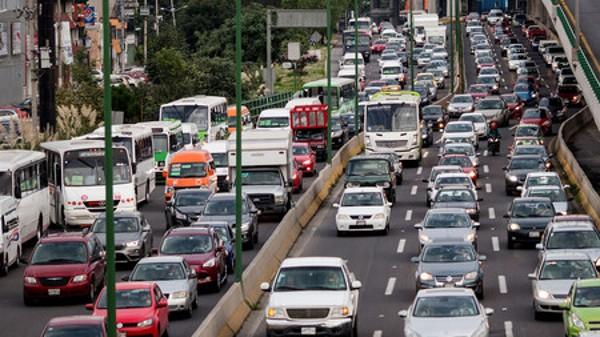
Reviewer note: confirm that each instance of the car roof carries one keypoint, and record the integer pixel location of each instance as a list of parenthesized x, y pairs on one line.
[(162, 259), (531, 199), (368, 189), (312, 261), (188, 230), (455, 187), (453, 174), (66, 237), (446, 210), (526, 156), (76, 320), (446, 167), (567, 226), (542, 174), (585, 283), (445, 292), (544, 187), (133, 285), (123, 214), (560, 254)]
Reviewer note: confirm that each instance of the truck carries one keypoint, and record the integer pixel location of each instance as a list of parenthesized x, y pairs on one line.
[(436, 35), (309, 125), (267, 168), (427, 22)]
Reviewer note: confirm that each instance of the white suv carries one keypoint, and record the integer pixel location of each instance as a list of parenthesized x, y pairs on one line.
[(312, 296), (363, 209)]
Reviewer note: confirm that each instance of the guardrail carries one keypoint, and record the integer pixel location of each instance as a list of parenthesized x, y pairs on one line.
[(267, 102), (228, 315)]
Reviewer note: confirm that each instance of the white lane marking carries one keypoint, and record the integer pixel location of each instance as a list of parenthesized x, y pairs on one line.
[(401, 245), (508, 329), (505, 87), (419, 170), (425, 154), (492, 213), (389, 289), (377, 333), (408, 216), (485, 153), (502, 284), (413, 190), (503, 81), (486, 169), (495, 244), (488, 188)]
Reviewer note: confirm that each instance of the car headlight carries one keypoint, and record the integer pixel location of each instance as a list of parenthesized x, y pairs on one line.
[(245, 226), (425, 277), (306, 162), (210, 263), (180, 216), (424, 238), (341, 311), (471, 276), (30, 280), (367, 141), (342, 217), (79, 278), (470, 237), (378, 216), (132, 244), (383, 184), (533, 95), (577, 322), (144, 323), (273, 312), (179, 294), (514, 227), (543, 294), (513, 178), (471, 210), (279, 199)]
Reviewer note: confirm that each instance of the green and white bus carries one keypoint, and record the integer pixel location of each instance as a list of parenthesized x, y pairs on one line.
[(209, 113), (167, 138), (343, 92)]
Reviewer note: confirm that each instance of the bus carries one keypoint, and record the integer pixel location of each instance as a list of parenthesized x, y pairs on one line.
[(23, 176), (76, 181), (342, 94), (138, 142), (167, 138), (392, 124), (209, 113), (190, 135)]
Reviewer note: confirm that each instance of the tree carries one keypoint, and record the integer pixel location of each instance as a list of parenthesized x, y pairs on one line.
[(84, 89), (204, 16)]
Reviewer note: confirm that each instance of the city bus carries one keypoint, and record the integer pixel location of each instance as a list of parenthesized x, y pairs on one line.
[(23, 177), (76, 181), (138, 142), (342, 94), (209, 113), (392, 124), (167, 138)]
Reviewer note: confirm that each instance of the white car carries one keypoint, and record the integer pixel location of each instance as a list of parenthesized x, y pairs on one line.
[(495, 16), (392, 71), (460, 104), (541, 179), (460, 148), (556, 194), (423, 59), (490, 71), (348, 61), (440, 52), (435, 171), (363, 209), (461, 129), (310, 293), (478, 120), (515, 60), (448, 179)]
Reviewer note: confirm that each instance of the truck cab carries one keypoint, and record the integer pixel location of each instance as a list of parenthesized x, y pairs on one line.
[(309, 125)]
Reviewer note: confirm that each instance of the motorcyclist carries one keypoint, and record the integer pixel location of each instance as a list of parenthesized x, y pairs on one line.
[(494, 132)]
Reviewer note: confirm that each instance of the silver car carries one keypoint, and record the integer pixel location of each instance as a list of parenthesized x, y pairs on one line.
[(459, 104), (556, 194), (174, 276), (447, 224), (455, 311)]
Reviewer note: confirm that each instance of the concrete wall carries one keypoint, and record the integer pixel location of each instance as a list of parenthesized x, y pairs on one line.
[(12, 67)]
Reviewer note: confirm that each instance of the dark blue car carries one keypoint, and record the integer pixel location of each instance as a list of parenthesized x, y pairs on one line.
[(526, 93), (226, 235)]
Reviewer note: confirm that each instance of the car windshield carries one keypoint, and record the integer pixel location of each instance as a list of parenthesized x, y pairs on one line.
[(273, 122), (582, 239), (554, 194), (532, 209), (459, 149), (458, 127), (84, 330), (445, 306), (521, 88), (120, 225), (310, 278), (391, 70), (158, 272), (527, 131), (533, 113), (392, 118), (59, 253), (567, 270), (462, 99), (300, 150), (222, 206), (261, 178), (445, 181), (455, 196), (220, 159), (5, 183), (478, 89), (473, 118), (485, 60), (86, 167), (187, 170), (304, 135), (186, 244), (196, 198), (510, 98), (461, 161), (525, 163), (432, 111), (568, 89), (486, 80), (488, 71), (449, 253), (526, 150), (128, 299), (587, 297), (368, 167), (490, 104), (447, 220), (550, 180), (362, 199)]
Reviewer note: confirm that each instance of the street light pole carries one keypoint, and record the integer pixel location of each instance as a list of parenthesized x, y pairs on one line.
[(238, 141), (457, 31), (411, 46), (451, 58), (329, 103), (356, 115)]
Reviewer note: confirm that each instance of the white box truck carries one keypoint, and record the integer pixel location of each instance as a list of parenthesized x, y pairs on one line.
[(436, 35)]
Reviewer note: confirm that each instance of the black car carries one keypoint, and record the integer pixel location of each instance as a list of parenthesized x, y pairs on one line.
[(348, 119), (527, 220), (186, 206), (556, 107), (424, 92), (339, 132), (435, 116), (372, 170), (518, 167), (450, 263)]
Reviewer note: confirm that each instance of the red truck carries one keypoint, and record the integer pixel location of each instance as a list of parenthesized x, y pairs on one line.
[(309, 125)]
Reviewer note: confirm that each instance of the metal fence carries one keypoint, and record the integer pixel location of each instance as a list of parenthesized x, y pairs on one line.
[(267, 102)]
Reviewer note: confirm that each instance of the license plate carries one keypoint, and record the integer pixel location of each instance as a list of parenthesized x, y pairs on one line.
[(53, 292), (361, 222), (308, 331), (534, 234), (121, 334)]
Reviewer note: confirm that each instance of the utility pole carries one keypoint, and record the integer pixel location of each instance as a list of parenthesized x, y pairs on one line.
[(329, 102), (145, 32), (577, 32), (356, 115), (457, 4), (238, 141), (268, 71), (47, 64), (156, 22), (173, 13), (411, 46), (32, 56), (451, 58)]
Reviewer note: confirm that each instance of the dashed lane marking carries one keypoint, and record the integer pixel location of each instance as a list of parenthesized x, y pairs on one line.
[(495, 244), (485, 153), (408, 216), (488, 188), (377, 333), (389, 289), (401, 245), (413, 190), (508, 329), (502, 284), (491, 213), (486, 169), (425, 154), (419, 170)]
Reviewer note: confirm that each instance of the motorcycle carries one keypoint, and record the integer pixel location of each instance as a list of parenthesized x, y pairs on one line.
[(493, 145)]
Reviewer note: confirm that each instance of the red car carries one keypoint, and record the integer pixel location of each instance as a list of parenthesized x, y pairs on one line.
[(64, 265), (478, 91), (533, 31), (297, 179), (202, 250), (142, 309), (514, 105), (22, 114), (464, 162), (378, 46), (570, 94), (305, 157), (539, 117), (74, 326)]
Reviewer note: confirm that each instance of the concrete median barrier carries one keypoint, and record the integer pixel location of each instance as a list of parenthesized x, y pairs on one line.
[(229, 314)]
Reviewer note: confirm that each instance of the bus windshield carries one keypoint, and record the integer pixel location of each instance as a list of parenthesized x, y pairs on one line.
[(5, 183), (197, 114), (392, 118), (86, 167), (160, 143), (126, 143)]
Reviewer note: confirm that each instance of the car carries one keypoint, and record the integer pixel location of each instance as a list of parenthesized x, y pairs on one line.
[(226, 235), (363, 209), (493, 108), (479, 122), (321, 289), (464, 162), (581, 307), (514, 105), (64, 265), (557, 60), (491, 82), (555, 193), (540, 117), (141, 309), (458, 197), (515, 60), (75, 326), (525, 141), (541, 179), (532, 81), (440, 52), (538, 150), (424, 59), (424, 93), (305, 157), (495, 16), (526, 93), (221, 207), (202, 250), (553, 277), (431, 87), (490, 71), (527, 219), (565, 79), (175, 278), (570, 94), (574, 232), (297, 178), (524, 130), (464, 129), (186, 206), (398, 166), (449, 263), (435, 116), (378, 46), (460, 104), (450, 179), (556, 107), (132, 235), (484, 62), (339, 133), (478, 91), (529, 71), (441, 65), (435, 171), (457, 310), (460, 148), (535, 31), (372, 169), (517, 169)]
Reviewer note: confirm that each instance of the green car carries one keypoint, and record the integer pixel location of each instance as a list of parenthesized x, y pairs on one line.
[(582, 307)]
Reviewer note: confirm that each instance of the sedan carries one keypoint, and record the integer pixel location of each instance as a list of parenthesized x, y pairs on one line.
[(435, 116), (363, 209), (458, 197), (517, 169), (514, 105), (539, 150), (460, 104), (526, 93), (484, 62), (465, 163), (305, 157), (491, 82), (478, 91), (524, 130), (490, 71), (493, 108), (75, 326), (450, 264), (479, 122), (527, 219), (555, 193), (461, 129), (456, 310), (186, 206), (435, 171), (450, 179), (447, 223), (460, 148), (540, 117), (570, 93), (226, 235)]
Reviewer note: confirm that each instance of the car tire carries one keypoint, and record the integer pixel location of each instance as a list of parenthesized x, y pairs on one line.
[(508, 191), (538, 316), (195, 301), (354, 332), (341, 233), (510, 243), (147, 193), (386, 230), (92, 294), (217, 285), (399, 179), (189, 312), (479, 292), (28, 301), (255, 236)]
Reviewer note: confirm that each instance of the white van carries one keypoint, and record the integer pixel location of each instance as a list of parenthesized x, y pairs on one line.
[(278, 118), (392, 70), (190, 135), (218, 151), (10, 238)]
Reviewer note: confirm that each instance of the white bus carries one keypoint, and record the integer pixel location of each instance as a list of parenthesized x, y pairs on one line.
[(167, 138), (23, 176), (392, 124), (190, 135), (137, 140), (209, 113), (76, 181)]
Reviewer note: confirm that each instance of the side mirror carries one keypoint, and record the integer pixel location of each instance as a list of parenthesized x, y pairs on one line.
[(482, 258), (193, 274), (163, 303), (125, 278), (355, 285), (265, 286), (336, 205), (89, 306), (414, 259), (489, 311), (17, 192), (403, 313), (146, 228), (418, 226), (531, 276), (539, 246), (519, 188), (388, 204), (566, 186), (165, 174)]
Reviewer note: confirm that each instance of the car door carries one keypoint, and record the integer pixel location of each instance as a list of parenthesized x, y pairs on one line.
[(191, 281), (97, 261), (162, 313), (353, 293)]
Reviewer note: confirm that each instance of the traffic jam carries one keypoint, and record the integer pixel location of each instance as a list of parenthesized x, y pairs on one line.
[(456, 183)]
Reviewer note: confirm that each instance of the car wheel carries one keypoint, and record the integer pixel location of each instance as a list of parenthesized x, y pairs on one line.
[(354, 332), (255, 236), (538, 316), (217, 285), (194, 303), (40, 229), (92, 293), (340, 233), (147, 193), (189, 310), (28, 301), (479, 292), (508, 191), (510, 244)]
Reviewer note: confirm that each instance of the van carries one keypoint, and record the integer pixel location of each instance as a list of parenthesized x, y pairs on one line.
[(190, 135), (232, 118), (278, 118), (218, 151), (10, 238), (189, 169)]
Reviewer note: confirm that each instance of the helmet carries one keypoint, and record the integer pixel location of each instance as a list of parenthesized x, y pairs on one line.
[(493, 125)]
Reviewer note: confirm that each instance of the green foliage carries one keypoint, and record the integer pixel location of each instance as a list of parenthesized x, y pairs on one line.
[(84, 90)]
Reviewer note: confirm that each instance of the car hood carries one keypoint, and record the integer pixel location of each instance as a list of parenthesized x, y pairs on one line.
[(455, 204), (367, 179), (361, 210), (458, 135), (169, 287), (593, 253), (309, 299), (196, 259), (229, 219), (456, 326), (262, 189), (447, 233), (532, 222), (587, 314), (489, 112), (194, 210), (301, 158), (521, 173), (555, 287), (55, 270), (130, 315), (120, 238), (443, 269)]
